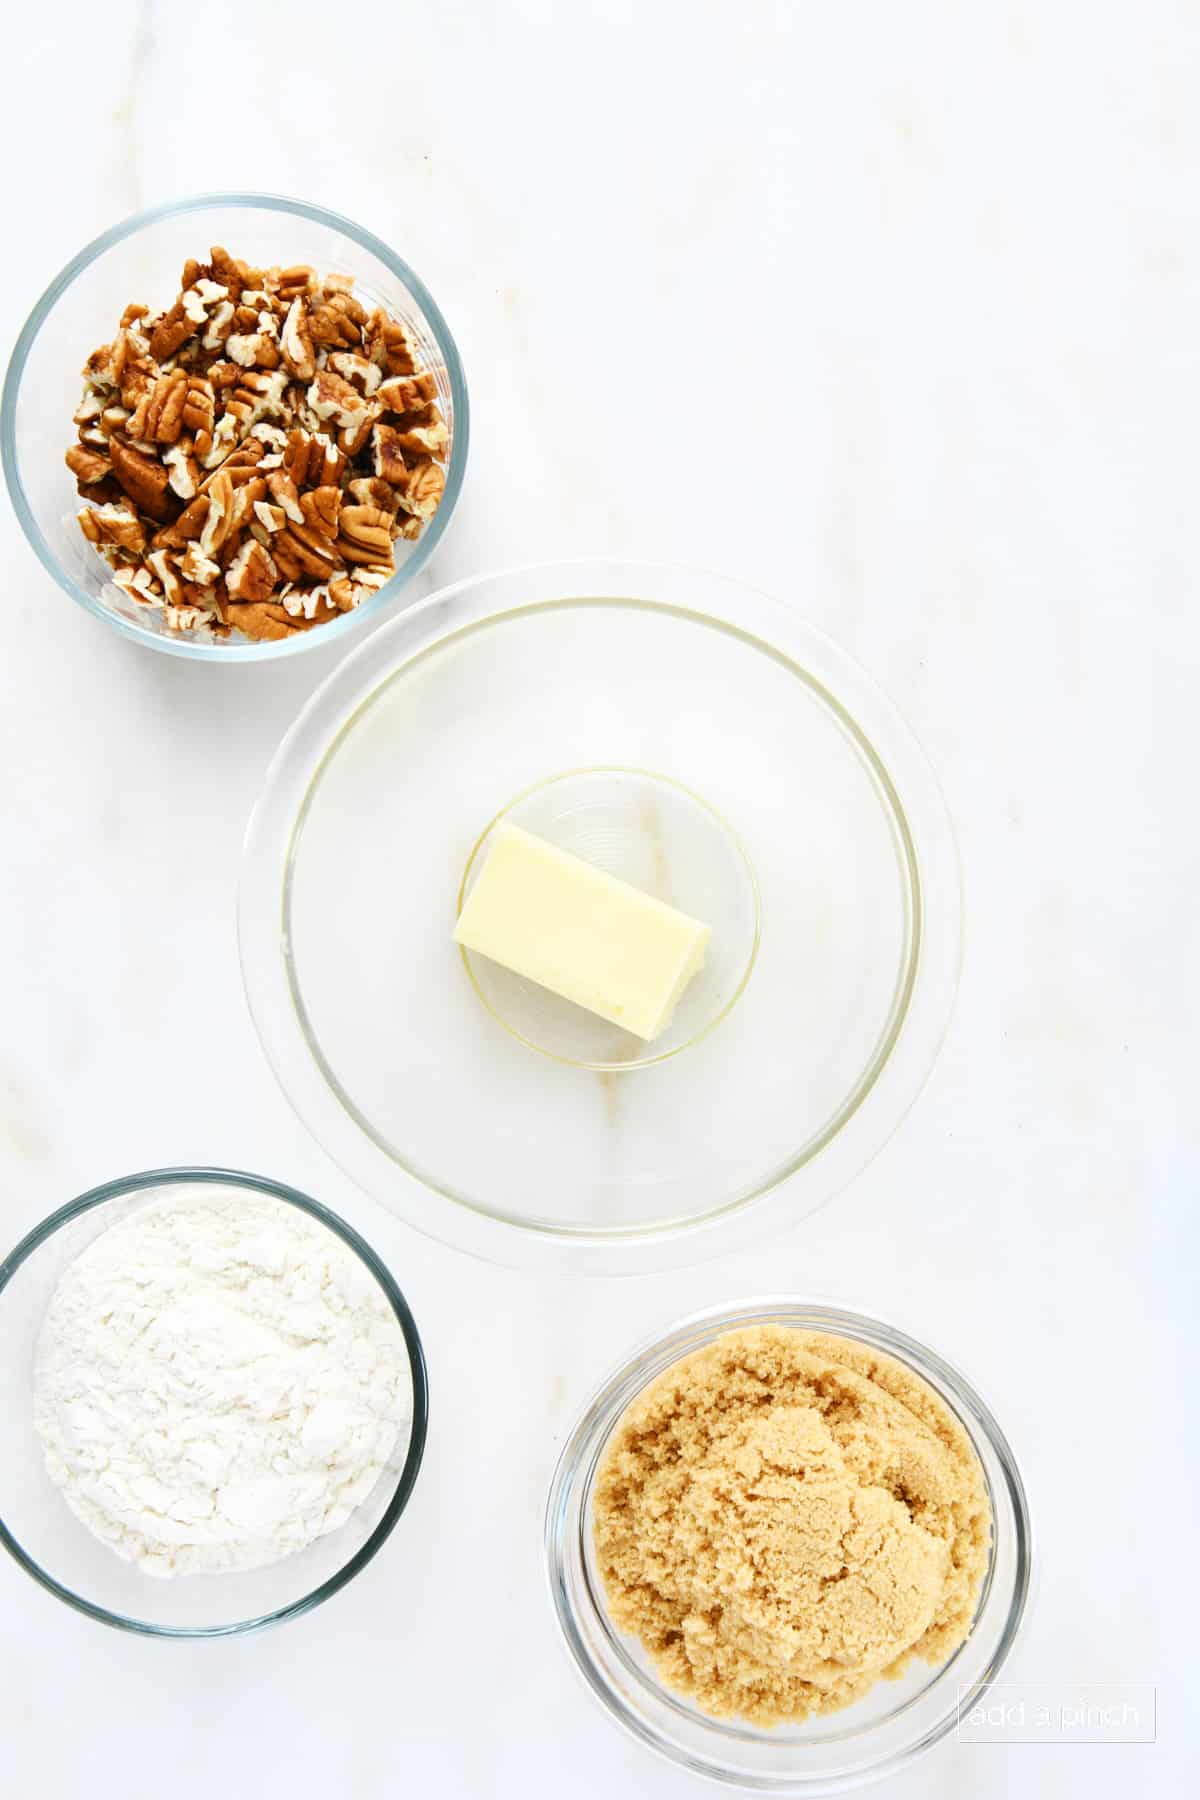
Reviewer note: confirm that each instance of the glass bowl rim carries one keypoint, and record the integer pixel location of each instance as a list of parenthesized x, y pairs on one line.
[(297, 642), (601, 1412), (740, 608), (200, 1175)]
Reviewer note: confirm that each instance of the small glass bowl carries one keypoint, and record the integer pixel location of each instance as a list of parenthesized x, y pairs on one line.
[(830, 1753), (662, 839), (57, 1549), (140, 259)]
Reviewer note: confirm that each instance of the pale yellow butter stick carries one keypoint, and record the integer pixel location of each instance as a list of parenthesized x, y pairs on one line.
[(580, 932)]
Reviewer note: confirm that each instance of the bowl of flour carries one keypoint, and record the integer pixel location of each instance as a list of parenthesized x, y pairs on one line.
[(219, 1403)]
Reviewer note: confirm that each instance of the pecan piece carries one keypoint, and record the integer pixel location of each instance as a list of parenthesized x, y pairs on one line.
[(296, 342), (426, 484), (172, 330), (218, 521), (407, 393), (356, 369), (353, 439), (263, 619), (158, 416), (143, 478), (365, 535), (284, 493), (115, 525), (388, 456), (246, 496), (424, 437), (300, 551), (229, 271), (290, 283), (252, 573), (87, 466), (321, 507), (337, 322), (311, 459), (369, 490), (197, 568), (334, 399), (387, 343)]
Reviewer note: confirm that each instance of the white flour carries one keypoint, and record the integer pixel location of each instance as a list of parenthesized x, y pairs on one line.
[(219, 1381)]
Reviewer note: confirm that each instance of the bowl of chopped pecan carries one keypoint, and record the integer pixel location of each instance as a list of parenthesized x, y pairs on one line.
[(270, 437)]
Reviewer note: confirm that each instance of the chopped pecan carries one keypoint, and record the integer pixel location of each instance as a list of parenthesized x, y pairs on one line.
[(337, 322), (370, 490), (365, 535), (426, 484), (172, 330), (354, 438), (356, 369), (264, 619), (143, 478), (424, 437), (387, 456), (321, 507), (115, 525), (252, 573), (172, 587), (218, 522), (197, 568), (90, 408), (98, 369), (158, 416), (333, 399), (312, 459), (183, 471), (101, 493), (387, 343), (229, 271), (284, 493), (87, 466), (240, 465), (271, 518), (300, 551), (220, 326), (246, 495), (407, 393), (296, 342), (198, 406), (369, 578), (258, 395), (289, 283)]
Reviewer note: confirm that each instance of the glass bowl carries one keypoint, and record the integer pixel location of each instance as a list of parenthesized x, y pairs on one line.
[(828, 1754), (692, 736), (56, 1548), (140, 259)]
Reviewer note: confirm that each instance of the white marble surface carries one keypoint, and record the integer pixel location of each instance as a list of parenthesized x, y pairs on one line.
[(894, 310)]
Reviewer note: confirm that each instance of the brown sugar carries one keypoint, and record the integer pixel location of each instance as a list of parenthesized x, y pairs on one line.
[(785, 1517)]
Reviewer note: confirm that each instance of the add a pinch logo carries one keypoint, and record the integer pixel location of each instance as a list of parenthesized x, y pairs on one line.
[(1057, 1713)]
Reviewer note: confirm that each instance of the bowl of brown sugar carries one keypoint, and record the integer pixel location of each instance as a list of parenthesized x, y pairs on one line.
[(787, 1544)]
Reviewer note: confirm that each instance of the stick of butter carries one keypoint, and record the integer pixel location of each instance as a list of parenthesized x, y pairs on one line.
[(580, 932)]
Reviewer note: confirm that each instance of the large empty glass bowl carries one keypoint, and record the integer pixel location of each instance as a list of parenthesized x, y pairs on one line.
[(696, 739)]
